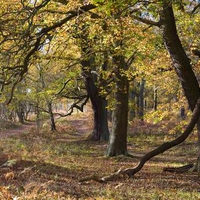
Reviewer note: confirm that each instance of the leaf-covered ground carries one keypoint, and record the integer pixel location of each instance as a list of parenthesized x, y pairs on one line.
[(48, 165)]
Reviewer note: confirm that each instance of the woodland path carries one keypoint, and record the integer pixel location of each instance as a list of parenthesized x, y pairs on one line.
[(19, 129), (80, 123)]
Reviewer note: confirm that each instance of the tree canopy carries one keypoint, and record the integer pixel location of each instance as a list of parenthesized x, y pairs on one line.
[(134, 60)]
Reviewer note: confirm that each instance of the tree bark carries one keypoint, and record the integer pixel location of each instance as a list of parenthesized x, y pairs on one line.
[(99, 103), (100, 129), (179, 59), (178, 56), (118, 137)]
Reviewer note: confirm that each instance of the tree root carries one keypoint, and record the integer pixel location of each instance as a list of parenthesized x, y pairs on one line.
[(182, 169)]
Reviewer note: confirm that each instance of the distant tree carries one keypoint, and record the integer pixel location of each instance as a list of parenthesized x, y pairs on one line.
[(141, 99), (93, 79)]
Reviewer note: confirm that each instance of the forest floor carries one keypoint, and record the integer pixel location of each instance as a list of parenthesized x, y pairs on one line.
[(48, 165)]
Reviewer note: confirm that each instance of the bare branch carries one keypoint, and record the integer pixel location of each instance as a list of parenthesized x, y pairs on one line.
[(131, 58), (63, 87), (39, 37), (75, 105), (71, 14)]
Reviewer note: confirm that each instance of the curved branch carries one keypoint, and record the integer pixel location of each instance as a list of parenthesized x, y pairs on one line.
[(164, 147), (63, 87), (75, 105), (71, 14), (168, 145)]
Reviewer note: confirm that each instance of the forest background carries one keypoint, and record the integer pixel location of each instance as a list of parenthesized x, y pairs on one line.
[(132, 68)]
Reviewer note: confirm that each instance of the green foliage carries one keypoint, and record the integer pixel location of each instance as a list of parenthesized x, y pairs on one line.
[(159, 116), (113, 31)]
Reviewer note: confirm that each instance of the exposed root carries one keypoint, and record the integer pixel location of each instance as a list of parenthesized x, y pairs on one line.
[(182, 169)]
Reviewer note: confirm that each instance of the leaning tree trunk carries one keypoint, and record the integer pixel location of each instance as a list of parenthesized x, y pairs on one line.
[(118, 136), (179, 59)]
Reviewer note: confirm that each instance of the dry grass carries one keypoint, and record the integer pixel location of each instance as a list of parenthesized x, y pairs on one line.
[(49, 165)]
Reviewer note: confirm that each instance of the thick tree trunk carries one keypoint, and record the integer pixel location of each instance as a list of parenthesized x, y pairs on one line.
[(118, 137), (100, 129), (99, 103), (179, 58)]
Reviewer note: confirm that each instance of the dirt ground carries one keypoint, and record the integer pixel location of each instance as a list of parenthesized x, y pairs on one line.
[(49, 165)]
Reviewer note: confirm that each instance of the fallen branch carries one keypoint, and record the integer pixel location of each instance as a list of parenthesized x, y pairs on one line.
[(181, 169), (164, 147), (103, 179)]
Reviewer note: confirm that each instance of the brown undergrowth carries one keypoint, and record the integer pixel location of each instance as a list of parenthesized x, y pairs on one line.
[(48, 165)]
